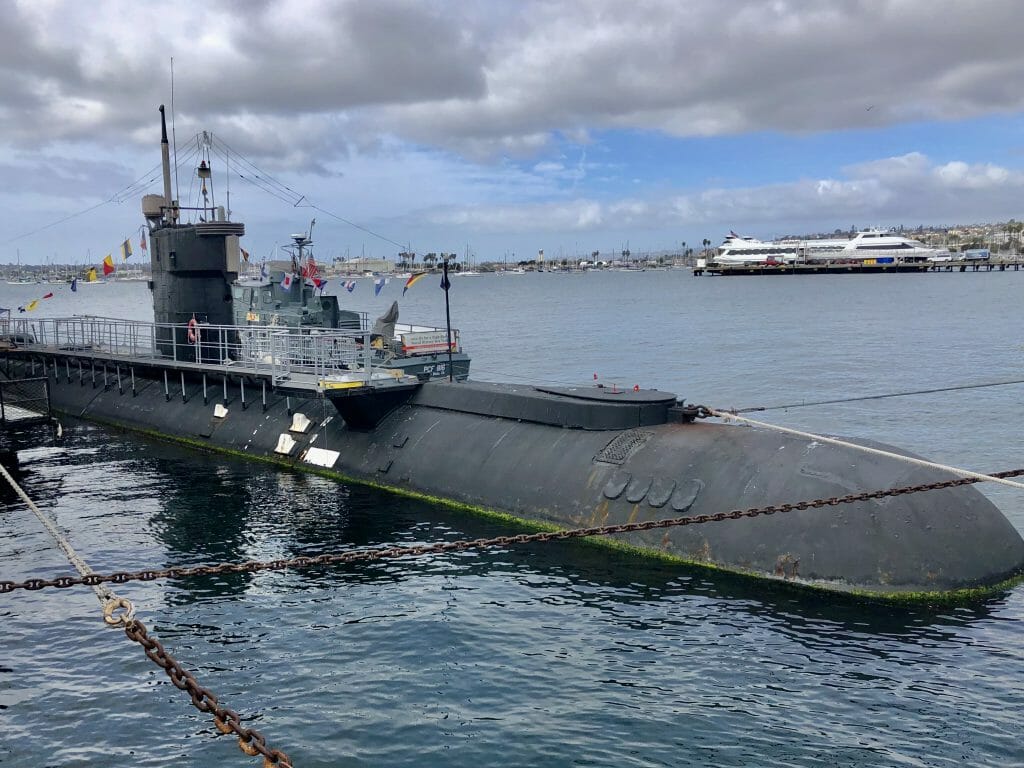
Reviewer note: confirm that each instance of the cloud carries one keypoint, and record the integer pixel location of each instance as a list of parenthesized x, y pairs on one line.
[(502, 79), (904, 189), (421, 118)]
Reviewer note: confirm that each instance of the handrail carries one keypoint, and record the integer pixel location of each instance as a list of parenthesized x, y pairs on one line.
[(276, 351)]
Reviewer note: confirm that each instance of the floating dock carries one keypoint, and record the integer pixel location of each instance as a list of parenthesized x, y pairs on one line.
[(995, 264)]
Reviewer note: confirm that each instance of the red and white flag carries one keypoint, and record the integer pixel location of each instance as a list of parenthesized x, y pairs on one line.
[(286, 281), (310, 271)]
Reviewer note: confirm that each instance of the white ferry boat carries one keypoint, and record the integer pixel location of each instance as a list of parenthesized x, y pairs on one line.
[(871, 244)]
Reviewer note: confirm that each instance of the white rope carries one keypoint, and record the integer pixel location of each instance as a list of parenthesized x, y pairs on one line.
[(875, 451), (106, 596)]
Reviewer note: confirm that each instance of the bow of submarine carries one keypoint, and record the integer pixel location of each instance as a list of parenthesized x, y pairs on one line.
[(928, 542)]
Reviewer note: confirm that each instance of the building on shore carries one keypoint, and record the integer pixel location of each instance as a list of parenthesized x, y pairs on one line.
[(351, 267)]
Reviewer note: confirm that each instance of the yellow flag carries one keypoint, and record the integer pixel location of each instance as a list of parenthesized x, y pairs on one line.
[(126, 250), (108, 265), (32, 305)]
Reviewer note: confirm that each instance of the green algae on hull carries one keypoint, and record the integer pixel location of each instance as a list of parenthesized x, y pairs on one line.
[(774, 584)]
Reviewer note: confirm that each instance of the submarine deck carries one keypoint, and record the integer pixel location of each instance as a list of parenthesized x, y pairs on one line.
[(287, 359)]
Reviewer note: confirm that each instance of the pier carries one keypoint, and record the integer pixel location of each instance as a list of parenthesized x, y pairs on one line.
[(994, 264)]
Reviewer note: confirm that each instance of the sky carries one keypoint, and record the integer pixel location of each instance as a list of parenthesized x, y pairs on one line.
[(497, 129)]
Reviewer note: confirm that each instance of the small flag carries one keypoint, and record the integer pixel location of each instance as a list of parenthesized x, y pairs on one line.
[(126, 250), (48, 295), (320, 283), (286, 281), (445, 282), (31, 305), (74, 284), (310, 270), (245, 254), (108, 265), (263, 271), (412, 281), (378, 283), (90, 276), (142, 241), (349, 285)]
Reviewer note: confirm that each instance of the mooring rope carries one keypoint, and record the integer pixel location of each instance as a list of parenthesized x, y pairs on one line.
[(106, 596), (120, 612), (876, 451)]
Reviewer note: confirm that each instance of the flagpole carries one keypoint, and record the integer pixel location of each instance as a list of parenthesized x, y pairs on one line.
[(447, 316)]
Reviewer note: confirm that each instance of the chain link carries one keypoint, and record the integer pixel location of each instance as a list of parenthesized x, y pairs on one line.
[(250, 741), (383, 553)]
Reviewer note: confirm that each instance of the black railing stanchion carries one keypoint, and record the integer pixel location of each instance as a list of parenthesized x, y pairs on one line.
[(446, 285)]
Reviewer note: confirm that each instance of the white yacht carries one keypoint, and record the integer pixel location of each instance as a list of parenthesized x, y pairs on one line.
[(885, 246), (749, 250)]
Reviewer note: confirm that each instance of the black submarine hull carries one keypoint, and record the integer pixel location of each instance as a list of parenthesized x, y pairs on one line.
[(576, 458)]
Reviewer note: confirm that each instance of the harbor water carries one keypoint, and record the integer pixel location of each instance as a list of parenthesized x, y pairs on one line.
[(542, 655)]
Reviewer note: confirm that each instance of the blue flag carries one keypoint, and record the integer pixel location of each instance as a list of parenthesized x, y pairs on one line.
[(377, 285), (445, 282), (349, 285), (74, 284), (263, 271)]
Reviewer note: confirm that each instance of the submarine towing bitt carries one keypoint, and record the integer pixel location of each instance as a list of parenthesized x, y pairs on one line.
[(559, 456)]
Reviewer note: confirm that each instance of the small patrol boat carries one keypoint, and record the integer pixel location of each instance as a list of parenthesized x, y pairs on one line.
[(289, 294)]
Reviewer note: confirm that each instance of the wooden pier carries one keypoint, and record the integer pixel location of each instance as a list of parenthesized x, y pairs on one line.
[(994, 264)]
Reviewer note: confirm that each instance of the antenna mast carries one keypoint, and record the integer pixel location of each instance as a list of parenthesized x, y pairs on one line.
[(169, 212), (174, 138), (227, 174)]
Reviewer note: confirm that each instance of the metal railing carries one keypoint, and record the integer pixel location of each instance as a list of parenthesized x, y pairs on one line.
[(278, 351), (23, 400)]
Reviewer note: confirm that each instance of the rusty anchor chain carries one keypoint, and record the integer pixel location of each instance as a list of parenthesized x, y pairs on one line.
[(365, 555), (250, 741)]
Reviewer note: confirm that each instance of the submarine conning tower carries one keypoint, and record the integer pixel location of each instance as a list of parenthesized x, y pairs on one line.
[(193, 264)]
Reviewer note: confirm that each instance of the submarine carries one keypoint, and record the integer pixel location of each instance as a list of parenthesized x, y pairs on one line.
[(269, 370)]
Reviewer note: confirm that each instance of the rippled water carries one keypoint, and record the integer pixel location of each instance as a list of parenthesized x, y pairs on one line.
[(544, 655)]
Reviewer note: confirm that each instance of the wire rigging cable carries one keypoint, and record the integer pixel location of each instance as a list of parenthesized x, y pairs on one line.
[(272, 186), (876, 451), (881, 397)]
